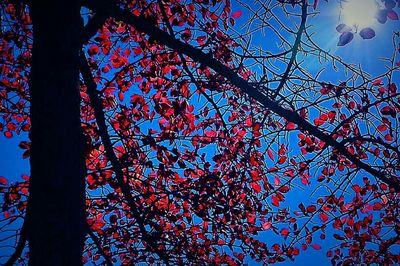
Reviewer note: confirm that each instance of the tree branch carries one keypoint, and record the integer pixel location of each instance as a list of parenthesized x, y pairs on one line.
[(94, 24), (19, 248), (187, 70), (143, 25), (294, 49), (126, 191), (96, 241), (373, 140)]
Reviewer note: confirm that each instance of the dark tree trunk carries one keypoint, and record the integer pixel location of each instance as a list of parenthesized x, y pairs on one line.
[(56, 210)]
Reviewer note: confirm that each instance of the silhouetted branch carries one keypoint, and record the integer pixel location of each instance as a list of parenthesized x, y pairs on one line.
[(96, 241), (19, 248), (143, 25), (93, 25), (101, 122), (294, 49)]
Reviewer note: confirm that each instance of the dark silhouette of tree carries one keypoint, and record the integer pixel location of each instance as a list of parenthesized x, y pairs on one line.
[(56, 211), (192, 138)]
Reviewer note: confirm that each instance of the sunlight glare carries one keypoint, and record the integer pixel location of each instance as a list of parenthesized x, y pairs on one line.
[(359, 13)]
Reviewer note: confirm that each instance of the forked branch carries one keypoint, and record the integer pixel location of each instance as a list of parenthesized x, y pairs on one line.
[(143, 25)]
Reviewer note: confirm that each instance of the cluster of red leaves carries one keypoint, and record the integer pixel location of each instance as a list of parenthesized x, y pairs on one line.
[(15, 48)]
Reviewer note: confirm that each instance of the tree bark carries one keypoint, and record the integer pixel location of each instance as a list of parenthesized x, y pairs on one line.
[(56, 208)]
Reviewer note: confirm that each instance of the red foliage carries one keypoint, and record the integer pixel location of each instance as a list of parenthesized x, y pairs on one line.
[(209, 168)]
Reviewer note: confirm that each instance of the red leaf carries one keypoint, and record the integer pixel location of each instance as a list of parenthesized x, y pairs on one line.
[(272, 169), (388, 137), (3, 181), (254, 175), (201, 39), (270, 155), (382, 127), (290, 125), (277, 181), (392, 15), (315, 4), (8, 134), (323, 217), (221, 242), (275, 201), (323, 117), (214, 17), (284, 232), (311, 208), (338, 237), (332, 115), (316, 246), (266, 225), (377, 82), (120, 96), (237, 14), (256, 187), (137, 50), (377, 206), (282, 160), (96, 223), (93, 50), (318, 122)]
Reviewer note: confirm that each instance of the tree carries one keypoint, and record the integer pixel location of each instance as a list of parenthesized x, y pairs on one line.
[(194, 137)]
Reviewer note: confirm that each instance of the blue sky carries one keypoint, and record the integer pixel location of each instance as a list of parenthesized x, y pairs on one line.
[(368, 54)]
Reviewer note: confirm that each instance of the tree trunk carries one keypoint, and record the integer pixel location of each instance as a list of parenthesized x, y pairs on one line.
[(56, 208)]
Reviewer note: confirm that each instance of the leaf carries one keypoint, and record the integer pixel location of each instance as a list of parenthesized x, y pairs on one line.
[(392, 15), (275, 201), (277, 181), (201, 39), (381, 16), (318, 122), (367, 33), (266, 225), (282, 160), (120, 96), (382, 127), (290, 126), (338, 237), (377, 206), (311, 208), (341, 28), (316, 246), (345, 38), (137, 50), (8, 134), (388, 137), (285, 232), (377, 82), (256, 187), (237, 14), (93, 50), (270, 154), (323, 217), (3, 181), (390, 4), (315, 4)]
